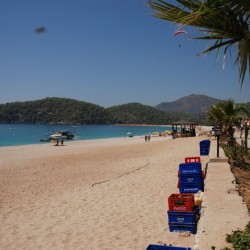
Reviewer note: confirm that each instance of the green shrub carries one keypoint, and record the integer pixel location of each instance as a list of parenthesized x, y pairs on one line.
[(237, 155), (240, 239)]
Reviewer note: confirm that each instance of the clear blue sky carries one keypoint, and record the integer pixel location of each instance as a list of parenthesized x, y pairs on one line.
[(106, 52)]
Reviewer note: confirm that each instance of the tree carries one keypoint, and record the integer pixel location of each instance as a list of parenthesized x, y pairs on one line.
[(226, 22), (247, 113), (216, 114), (226, 115)]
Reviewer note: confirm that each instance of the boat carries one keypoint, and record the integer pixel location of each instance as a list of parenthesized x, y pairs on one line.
[(64, 134), (129, 134)]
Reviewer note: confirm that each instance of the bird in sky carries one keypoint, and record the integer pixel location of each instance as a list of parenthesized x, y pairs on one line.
[(40, 29)]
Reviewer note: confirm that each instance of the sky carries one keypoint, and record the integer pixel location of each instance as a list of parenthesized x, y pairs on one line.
[(107, 53)]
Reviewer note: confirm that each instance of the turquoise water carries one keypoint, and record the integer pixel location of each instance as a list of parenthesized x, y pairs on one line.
[(24, 134)]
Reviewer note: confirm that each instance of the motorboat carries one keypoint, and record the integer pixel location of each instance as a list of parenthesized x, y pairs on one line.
[(65, 134), (129, 134)]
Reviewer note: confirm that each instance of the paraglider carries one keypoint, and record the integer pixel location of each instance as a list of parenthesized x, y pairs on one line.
[(182, 32)]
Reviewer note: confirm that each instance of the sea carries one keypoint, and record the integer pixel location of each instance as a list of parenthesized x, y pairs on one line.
[(26, 134)]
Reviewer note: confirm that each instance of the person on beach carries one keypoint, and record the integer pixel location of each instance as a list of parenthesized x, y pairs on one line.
[(241, 130), (172, 135), (62, 142), (146, 138), (213, 132), (149, 138)]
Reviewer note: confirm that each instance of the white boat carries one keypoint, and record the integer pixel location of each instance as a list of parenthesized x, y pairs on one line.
[(129, 134), (65, 134)]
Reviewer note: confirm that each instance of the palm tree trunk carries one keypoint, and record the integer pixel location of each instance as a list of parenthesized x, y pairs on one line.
[(230, 132), (246, 136)]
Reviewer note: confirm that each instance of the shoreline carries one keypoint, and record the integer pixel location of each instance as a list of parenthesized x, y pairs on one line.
[(82, 141), (31, 134), (204, 129)]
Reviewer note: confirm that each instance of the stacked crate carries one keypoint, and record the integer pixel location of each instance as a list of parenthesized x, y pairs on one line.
[(191, 176), (182, 214), (160, 247)]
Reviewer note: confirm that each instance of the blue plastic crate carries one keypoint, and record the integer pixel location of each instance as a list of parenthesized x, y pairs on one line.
[(191, 178), (205, 143), (192, 228), (190, 168), (184, 217), (159, 247), (204, 148), (191, 188), (204, 152)]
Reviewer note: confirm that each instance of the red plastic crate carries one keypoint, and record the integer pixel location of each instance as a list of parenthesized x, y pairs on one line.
[(181, 202), (192, 159)]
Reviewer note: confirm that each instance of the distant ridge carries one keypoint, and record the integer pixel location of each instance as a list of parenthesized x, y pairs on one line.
[(191, 104)]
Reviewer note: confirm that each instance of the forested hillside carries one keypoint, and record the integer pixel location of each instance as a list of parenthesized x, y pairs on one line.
[(136, 113), (54, 110), (188, 109), (69, 111)]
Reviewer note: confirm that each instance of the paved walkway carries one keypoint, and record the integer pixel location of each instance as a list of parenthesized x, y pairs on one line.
[(223, 209)]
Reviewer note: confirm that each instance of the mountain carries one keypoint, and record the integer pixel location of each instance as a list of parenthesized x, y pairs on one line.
[(189, 104), (136, 113)]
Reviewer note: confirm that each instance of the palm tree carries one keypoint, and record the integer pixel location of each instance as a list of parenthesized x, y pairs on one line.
[(247, 113), (216, 114), (226, 115), (226, 22)]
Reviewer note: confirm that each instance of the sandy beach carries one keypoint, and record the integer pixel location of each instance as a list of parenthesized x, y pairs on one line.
[(100, 194)]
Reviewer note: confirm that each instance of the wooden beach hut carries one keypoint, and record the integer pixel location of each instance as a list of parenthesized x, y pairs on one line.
[(184, 130)]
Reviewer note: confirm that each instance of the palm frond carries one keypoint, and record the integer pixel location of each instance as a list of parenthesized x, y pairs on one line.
[(225, 21)]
